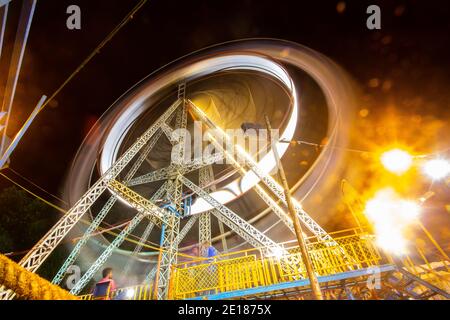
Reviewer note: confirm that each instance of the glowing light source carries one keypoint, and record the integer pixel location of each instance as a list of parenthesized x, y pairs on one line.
[(392, 242), (408, 210), (397, 161), (390, 215), (436, 169), (129, 293)]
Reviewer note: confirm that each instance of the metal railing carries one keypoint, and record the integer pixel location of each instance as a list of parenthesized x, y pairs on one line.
[(254, 267), (257, 267)]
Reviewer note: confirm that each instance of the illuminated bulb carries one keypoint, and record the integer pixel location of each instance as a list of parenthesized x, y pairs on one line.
[(129, 293), (409, 210), (390, 215), (437, 169), (392, 241), (396, 161), (381, 205)]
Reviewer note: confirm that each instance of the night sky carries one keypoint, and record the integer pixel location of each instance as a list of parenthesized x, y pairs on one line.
[(406, 63)]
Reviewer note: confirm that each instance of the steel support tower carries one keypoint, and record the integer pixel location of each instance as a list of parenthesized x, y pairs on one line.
[(176, 187)]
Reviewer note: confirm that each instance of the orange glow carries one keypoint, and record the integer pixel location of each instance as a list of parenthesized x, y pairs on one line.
[(390, 216)]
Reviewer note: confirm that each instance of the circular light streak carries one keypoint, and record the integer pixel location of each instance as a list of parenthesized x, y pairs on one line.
[(248, 61), (103, 148)]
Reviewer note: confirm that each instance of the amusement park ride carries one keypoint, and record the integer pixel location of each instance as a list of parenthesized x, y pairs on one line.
[(348, 264)]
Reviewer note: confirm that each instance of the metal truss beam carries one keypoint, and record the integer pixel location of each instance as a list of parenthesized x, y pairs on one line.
[(275, 207), (259, 190), (271, 184), (155, 214), (171, 230), (224, 239), (231, 219), (144, 208), (169, 250), (138, 248), (103, 212), (157, 175), (213, 188), (151, 275), (204, 226), (168, 133), (80, 244), (107, 253), (186, 229), (206, 176), (37, 255), (167, 172)]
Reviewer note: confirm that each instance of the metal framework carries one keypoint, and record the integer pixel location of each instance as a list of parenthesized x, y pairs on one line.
[(187, 227), (165, 218), (145, 208), (138, 247), (170, 170), (40, 252), (231, 219), (270, 183), (206, 176), (103, 212), (46, 245), (169, 248)]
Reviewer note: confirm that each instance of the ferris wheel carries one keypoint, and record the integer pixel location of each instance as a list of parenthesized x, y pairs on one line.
[(129, 165)]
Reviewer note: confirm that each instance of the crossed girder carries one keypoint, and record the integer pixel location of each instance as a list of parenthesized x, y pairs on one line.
[(166, 220)]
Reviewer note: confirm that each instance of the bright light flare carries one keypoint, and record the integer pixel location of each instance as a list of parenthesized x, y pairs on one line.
[(129, 293), (436, 169), (408, 210), (390, 215), (392, 241), (397, 161)]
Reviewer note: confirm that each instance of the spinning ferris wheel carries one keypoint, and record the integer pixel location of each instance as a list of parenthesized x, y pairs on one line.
[(124, 161)]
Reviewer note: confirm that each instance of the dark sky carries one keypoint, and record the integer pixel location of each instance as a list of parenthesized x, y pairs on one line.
[(411, 51)]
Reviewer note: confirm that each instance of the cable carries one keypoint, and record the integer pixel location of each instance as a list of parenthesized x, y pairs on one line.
[(33, 194), (57, 207), (96, 51), (85, 222), (34, 184), (321, 145)]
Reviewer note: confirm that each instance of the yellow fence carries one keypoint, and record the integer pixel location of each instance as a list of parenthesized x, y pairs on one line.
[(350, 250), (252, 268)]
